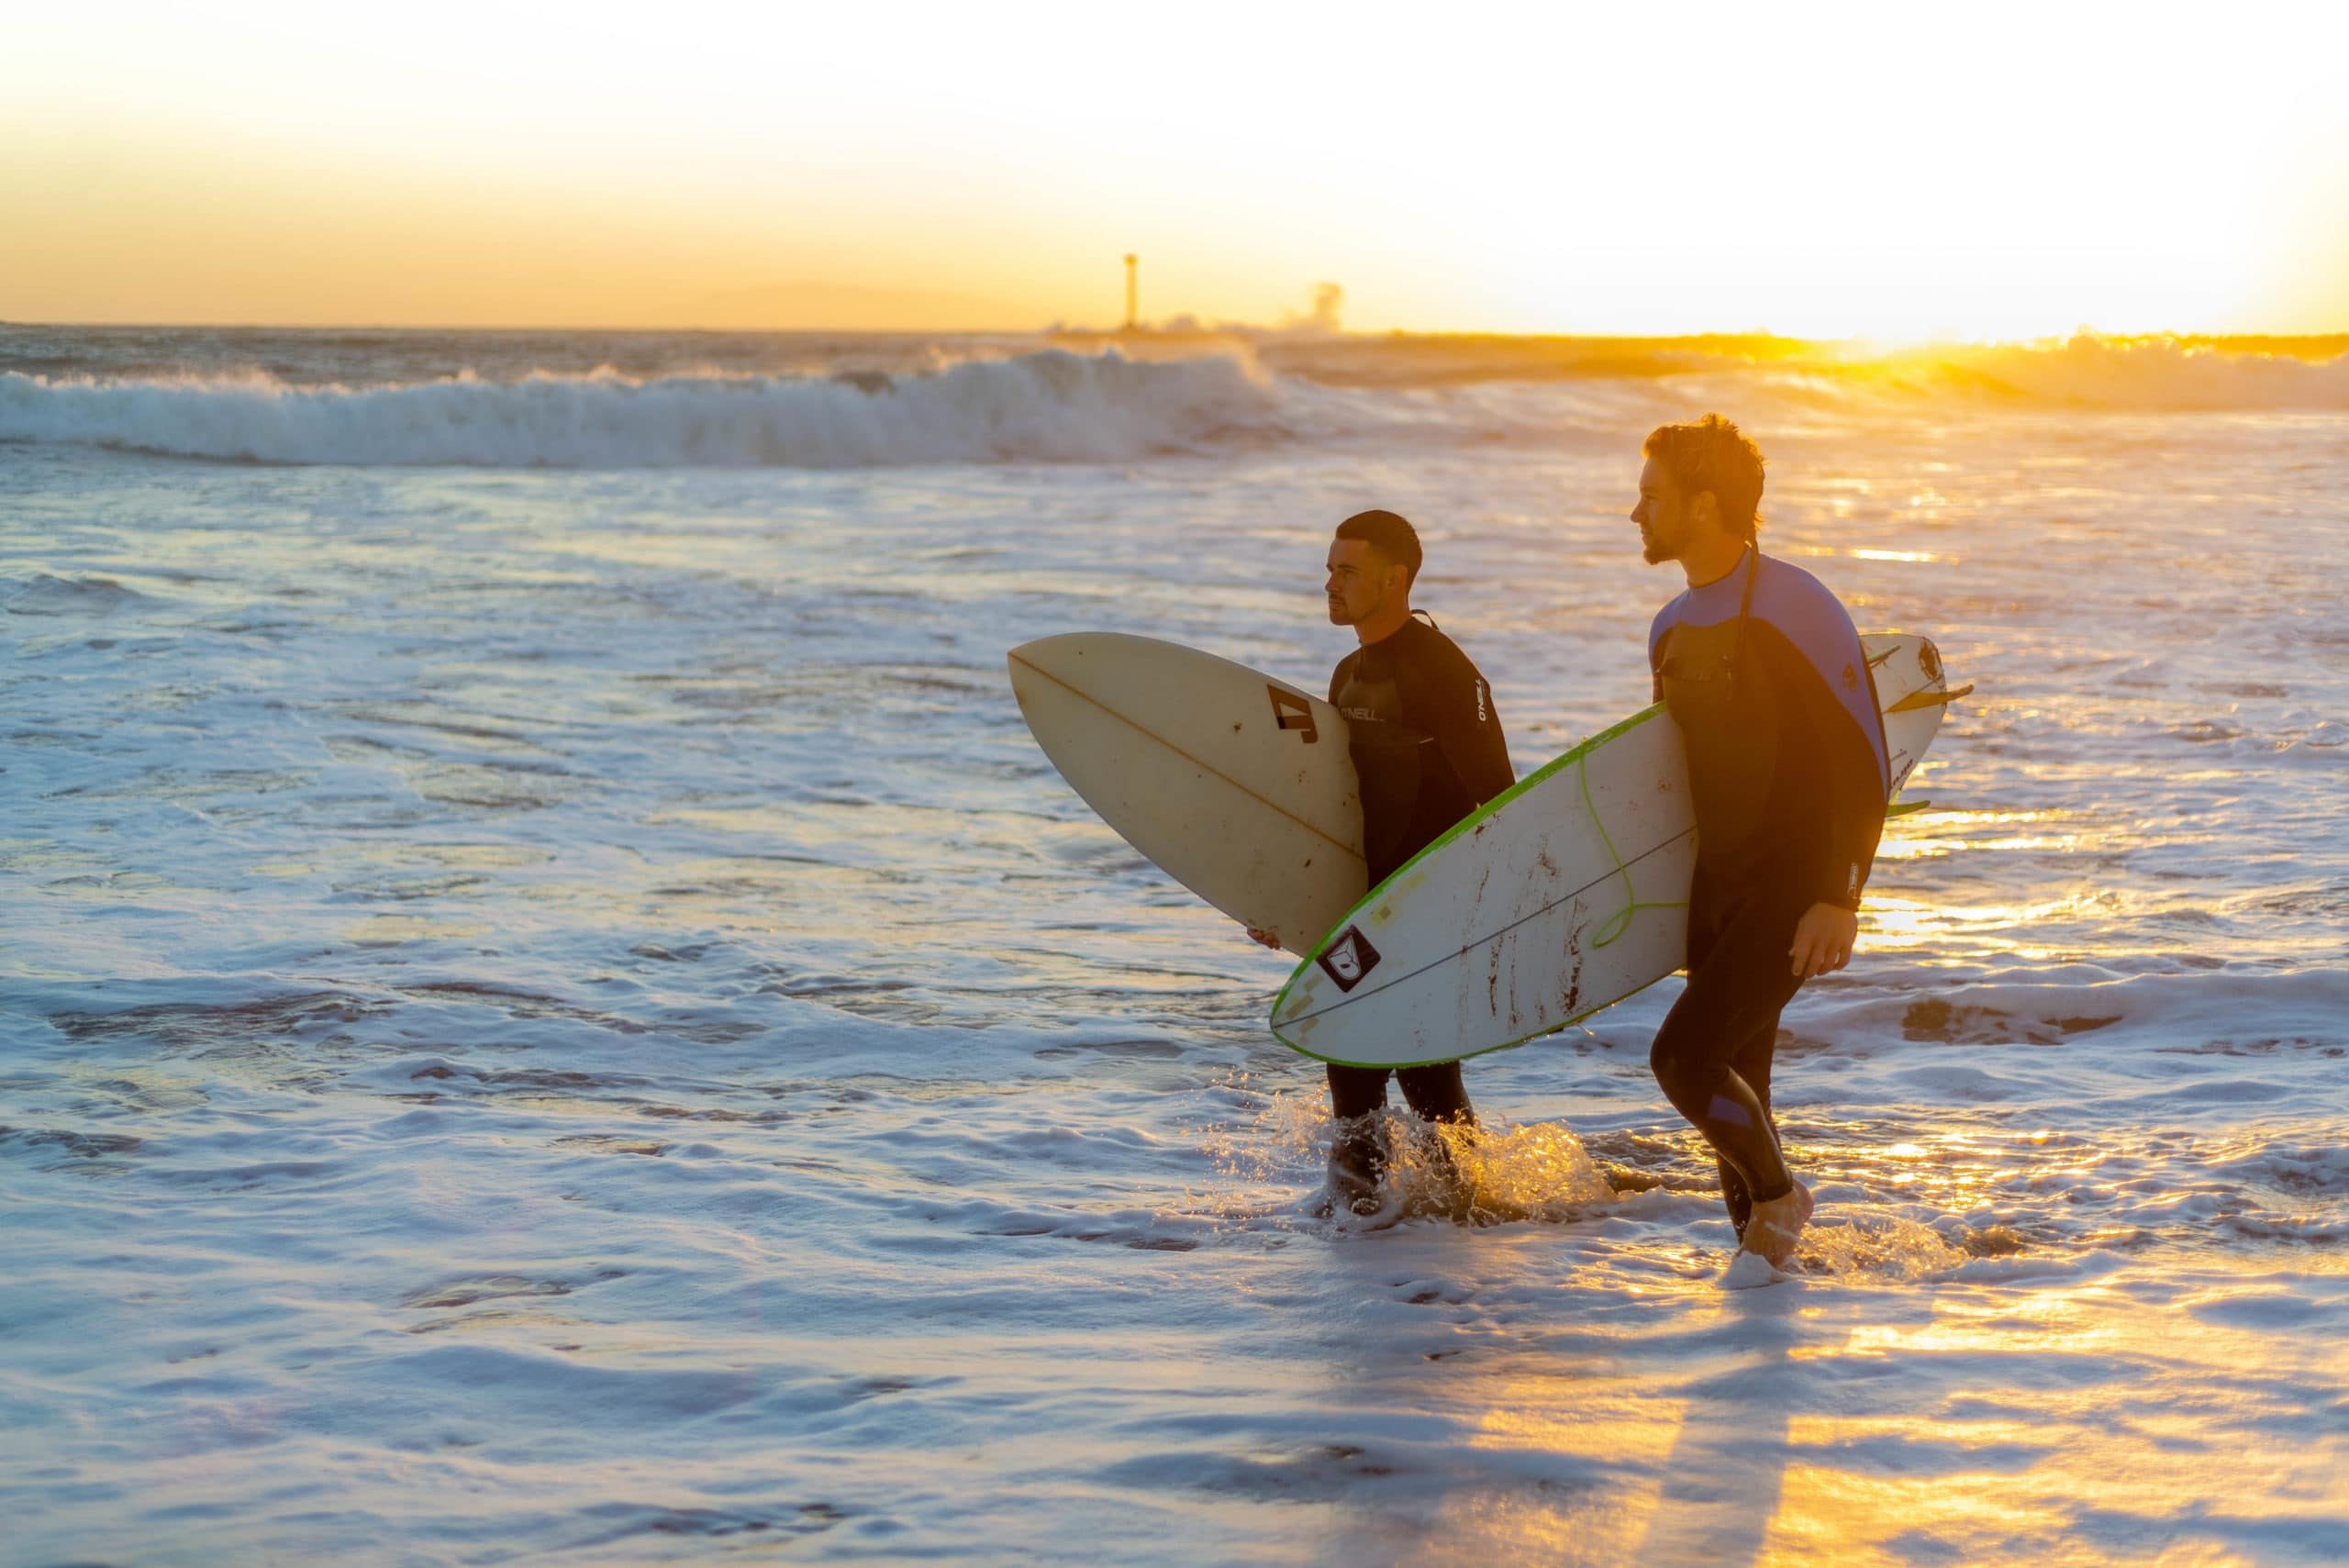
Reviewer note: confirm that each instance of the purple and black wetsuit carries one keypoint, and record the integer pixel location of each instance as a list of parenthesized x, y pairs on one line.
[(1764, 675)]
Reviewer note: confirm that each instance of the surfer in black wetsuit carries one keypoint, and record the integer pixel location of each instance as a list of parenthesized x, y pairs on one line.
[(1762, 674), (1427, 750)]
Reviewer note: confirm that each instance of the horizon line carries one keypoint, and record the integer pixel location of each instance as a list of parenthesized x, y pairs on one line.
[(1218, 329)]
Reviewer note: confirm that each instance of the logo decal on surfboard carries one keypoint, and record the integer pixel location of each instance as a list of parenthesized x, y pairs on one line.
[(1348, 959), (1291, 711)]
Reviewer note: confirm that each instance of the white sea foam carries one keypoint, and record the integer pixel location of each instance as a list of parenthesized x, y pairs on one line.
[(1058, 406), (1047, 406)]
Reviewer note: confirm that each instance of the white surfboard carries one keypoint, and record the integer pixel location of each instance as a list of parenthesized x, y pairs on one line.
[(1560, 897), (1237, 785)]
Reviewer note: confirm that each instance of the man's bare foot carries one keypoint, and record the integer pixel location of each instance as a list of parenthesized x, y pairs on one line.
[(1774, 1226)]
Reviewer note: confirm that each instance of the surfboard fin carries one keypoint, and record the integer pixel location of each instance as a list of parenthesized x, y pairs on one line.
[(1916, 700)]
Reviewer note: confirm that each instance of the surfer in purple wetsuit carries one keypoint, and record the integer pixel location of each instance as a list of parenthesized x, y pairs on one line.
[(1761, 670), (1428, 751)]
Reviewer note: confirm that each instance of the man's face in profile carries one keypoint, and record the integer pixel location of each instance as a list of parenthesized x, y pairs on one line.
[(1662, 514), (1359, 581)]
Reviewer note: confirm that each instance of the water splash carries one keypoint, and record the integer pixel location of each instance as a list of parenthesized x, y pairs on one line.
[(1497, 1174)]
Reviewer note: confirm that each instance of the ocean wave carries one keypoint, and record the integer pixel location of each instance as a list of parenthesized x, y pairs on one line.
[(2149, 374), (1057, 406), (2220, 1013), (43, 595), (1050, 406)]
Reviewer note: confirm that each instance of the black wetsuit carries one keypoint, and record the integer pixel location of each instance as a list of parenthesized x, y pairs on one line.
[(1427, 750), (1764, 675)]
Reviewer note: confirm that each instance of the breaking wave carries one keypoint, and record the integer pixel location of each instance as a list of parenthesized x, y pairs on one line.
[(1057, 406), (1048, 406), (2150, 373)]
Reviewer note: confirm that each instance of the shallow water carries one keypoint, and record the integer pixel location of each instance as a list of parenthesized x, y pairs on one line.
[(556, 1011)]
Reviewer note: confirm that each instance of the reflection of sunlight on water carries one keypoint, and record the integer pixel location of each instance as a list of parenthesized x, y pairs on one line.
[(2061, 843), (2050, 1185), (1897, 924), (1801, 1438), (1866, 552), (1618, 1422), (2070, 1317), (2110, 1437), (1956, 1172), (1905, 847), (1882, 1247), (1927, 835), (1945, 856)]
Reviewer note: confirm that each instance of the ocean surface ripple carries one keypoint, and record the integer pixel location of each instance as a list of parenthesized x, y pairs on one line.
[(553, 1009)]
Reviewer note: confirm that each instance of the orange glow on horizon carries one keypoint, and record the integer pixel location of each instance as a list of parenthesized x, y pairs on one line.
[(1864, 173)]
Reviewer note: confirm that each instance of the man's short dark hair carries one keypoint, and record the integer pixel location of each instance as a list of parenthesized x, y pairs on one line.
[(1391, 536), (1713, 454)]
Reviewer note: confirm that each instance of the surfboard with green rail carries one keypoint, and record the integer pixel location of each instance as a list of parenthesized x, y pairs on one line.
[(1560, 897)]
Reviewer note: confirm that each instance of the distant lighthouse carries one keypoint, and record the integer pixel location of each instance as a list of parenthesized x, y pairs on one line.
[(1131, 263)]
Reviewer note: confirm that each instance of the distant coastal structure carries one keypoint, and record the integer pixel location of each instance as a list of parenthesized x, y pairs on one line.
[(1328, 309), (1187, 333)]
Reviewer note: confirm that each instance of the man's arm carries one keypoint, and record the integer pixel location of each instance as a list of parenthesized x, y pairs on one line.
[(1829, 706), (1656, 630), (1454, 702), (1836, 769)]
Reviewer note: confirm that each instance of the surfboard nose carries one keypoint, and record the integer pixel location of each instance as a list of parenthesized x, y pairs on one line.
[(1238, 786)]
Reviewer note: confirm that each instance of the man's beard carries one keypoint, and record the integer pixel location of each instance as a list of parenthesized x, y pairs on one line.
[(1656, 547)]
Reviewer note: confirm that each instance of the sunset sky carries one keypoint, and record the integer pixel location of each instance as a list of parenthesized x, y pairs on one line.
[(1837, 170)]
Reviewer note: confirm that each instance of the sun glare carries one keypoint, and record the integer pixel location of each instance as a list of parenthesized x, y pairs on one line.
[(1839, 173)]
